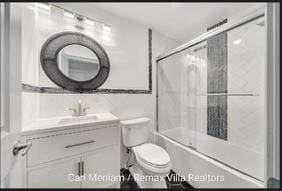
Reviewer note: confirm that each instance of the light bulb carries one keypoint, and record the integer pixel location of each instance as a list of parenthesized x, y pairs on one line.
[(89, 22), (43, 6), (106, 28), (69, 15), (237, 41)]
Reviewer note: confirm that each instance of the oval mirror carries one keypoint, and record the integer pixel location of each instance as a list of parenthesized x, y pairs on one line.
[(75, 61), (78, 62)]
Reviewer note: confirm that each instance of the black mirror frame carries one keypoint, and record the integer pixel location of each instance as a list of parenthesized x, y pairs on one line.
[(48, 59)]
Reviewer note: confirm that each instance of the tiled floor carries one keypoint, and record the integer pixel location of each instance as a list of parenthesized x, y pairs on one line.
[(129, 182)]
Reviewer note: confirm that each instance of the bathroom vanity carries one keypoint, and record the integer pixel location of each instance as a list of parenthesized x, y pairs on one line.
[(73, 152)]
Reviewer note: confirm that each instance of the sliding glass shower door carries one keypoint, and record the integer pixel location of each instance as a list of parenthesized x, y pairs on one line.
[(176, 99), (211, 96)]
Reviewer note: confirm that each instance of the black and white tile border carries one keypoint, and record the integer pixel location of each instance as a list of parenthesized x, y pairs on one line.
[(58, 90), (217, 78)]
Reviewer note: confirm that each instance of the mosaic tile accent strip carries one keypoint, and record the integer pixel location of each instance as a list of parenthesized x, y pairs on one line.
[(217, 25), (58, 90), (150, 58), (217, 83), (30, 88)]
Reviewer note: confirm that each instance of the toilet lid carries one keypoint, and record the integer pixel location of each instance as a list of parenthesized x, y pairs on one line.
[(153, 155)]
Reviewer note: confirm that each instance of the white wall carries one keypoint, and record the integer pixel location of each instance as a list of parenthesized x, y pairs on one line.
[(30, 63), (126, 44), (124, 106), (129, 69)]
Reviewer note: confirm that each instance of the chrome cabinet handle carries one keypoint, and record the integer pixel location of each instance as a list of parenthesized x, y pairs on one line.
[(79, 169), (82, 167), (19, 146), (78, 144)]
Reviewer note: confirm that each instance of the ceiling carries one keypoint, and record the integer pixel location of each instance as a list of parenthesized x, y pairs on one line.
[(179, 21)]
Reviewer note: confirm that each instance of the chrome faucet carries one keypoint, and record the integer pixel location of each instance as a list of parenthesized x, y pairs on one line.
[(79, 111)]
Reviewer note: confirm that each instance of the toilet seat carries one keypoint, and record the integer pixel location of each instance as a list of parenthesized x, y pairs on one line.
[(152, 158)]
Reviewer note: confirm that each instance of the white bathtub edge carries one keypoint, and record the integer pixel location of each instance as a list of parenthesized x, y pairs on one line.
[(235, 179)]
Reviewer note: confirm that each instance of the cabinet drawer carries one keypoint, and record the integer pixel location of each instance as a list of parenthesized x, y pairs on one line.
[(57, 146)]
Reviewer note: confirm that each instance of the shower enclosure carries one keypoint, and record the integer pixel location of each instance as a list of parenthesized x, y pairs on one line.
[(211, 95)]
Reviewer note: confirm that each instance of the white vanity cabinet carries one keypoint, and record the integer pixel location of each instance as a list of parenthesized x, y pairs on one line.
[(80, 157), (53, 174)]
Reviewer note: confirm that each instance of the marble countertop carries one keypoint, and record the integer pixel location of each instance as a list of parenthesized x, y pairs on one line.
[(64, 123)]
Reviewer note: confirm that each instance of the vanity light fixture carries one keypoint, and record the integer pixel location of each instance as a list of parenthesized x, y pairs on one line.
[(106, 28), (44, 6), (69, 15), (72, 15), (89, 22), (79, 18)]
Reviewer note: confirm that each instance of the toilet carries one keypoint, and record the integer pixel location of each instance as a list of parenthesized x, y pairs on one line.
[(151, 162)]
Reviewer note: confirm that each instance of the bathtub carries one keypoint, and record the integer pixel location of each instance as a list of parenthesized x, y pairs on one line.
[(202, 171)]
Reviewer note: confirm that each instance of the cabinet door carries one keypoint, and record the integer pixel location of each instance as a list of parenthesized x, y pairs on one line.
[(102, 169), (57, 174)]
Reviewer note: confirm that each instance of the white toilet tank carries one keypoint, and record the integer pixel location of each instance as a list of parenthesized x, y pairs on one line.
[(135, 131)]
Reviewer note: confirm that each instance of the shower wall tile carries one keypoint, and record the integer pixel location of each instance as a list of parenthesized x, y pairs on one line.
[(201, 90), (30, 108), (246, 115), (247, 74), (217, 83)]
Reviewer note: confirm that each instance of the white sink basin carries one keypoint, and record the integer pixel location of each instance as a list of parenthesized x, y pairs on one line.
[(79, 119), (69, 122)]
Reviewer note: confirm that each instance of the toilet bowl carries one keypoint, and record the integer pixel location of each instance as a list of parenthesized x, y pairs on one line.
[(151, 162), (152, 159)]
